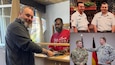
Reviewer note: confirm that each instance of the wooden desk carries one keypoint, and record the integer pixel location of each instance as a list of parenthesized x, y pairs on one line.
[(41, 59), (55, 44)]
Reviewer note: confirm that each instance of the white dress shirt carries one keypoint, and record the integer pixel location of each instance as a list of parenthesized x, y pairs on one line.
[(79, 21), (104, 22)]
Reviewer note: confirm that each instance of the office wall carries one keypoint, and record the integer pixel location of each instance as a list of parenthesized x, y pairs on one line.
[(88, 40), (52, 12), (2, 56)]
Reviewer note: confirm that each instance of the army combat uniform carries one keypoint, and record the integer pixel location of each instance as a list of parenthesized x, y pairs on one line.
[(105, 53), (79, 55)]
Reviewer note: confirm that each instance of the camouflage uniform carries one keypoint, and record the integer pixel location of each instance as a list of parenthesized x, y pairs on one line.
[(79, 56), (105, 53)]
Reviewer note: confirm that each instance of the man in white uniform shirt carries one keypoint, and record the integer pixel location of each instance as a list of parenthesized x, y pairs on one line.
[(104, 21), (79, 21)]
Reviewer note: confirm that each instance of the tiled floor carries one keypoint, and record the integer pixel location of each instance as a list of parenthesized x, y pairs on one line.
[(2, 56)]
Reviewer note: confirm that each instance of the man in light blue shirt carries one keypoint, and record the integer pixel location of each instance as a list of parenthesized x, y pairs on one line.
[(105, 52)]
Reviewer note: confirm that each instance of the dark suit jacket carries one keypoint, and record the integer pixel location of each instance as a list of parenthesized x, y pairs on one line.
[(19, 46)]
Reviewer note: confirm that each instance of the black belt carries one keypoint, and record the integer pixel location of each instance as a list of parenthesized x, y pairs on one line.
[(102, 64), (83, 31), (104, 31), (76, 64)]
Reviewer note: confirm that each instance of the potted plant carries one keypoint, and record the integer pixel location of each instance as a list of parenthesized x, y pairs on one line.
[(90, 6)]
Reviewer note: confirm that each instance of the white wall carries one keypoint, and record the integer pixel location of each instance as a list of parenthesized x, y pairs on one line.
[(54, 11), (88, 41), (2, 56)]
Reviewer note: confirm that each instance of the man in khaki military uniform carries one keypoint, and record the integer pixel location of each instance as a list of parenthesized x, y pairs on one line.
[(79, 55)]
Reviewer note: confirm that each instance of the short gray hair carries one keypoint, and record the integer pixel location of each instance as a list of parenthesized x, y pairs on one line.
[(22, 8)]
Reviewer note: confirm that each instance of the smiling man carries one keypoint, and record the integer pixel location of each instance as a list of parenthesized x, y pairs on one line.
[(79, 20), (19, 47), (104, 21)]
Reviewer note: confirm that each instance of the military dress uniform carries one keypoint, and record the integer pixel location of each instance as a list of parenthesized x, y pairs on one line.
[(79, 55)]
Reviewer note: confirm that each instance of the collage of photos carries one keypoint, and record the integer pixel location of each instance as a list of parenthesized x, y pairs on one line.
[(92, 49), (92, 32), (57, 32)]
